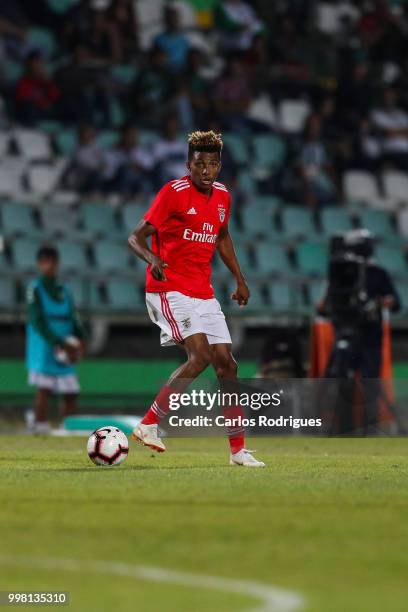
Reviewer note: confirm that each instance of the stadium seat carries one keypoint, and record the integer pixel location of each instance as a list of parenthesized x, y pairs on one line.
[(24, 253), (269, 154), (312, 258), (257, 221), (378, 222), (258, 300), (271, 259), (10, 182), (4, 143), (125, 73), (292, 115), (100, 219), (72, 256), (392, 259), (124, 294), (61, 6), (335, 220), (50, 126), (131, 215), (43, 39), (18, 219), (247, 183), (237, 147), (396, 185), (84, 292), (58, 219), (108, 138), (12, 70), (7, 293), (32, 144), (282, 296), (402, 219), (297, 221), (43, 179), (315, 291), (111, 256), (67, 141), (360, 186)]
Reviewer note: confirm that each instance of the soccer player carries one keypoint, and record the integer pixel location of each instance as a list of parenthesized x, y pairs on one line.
[(51, 321), (187, 221)]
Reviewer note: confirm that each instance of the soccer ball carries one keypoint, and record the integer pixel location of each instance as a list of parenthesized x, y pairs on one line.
[(108, 446)]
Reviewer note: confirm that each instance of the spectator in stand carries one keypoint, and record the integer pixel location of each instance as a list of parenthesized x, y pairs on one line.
[(123, 19), (84, 173), (127, 166), (169, 153), (317, 174), (84, 88), (173, 41), (153, 89), (197, 86), (37, 95), (391, 125), (232, 96), (238, 24)]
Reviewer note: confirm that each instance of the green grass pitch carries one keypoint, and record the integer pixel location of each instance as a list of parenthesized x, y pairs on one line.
[(327, 519)]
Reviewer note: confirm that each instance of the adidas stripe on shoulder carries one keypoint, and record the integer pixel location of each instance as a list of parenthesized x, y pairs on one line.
[(220, 186), (180, 184)]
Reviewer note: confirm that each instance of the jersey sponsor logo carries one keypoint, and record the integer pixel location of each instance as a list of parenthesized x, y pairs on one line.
[(192, 211), (188, 234)]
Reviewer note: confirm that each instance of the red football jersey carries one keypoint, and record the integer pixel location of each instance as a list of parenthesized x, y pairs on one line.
[(187, 223)]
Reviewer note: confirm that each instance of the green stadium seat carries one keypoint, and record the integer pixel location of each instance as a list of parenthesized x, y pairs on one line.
[(269, 153), (297, 221), (131, 215), (18, 219), (24, 253), (72, 256), (124, 294), (312, 258), (257, 221), (13, 70), (67, 141), (237, 147), (247, 183), (111, 256), (315, 291), (50, 126), (282, 296), (147, 137), (125, 73), (85, 293), (244, 258), (43, 39), (100, 218), (271, 259), (378, 222), (61, 6), (335, 219), (7, 293), (392, 259), (108, 138)]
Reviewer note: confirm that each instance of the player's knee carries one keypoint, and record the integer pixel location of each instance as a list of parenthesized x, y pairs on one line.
[(226, 367), (200, 361)]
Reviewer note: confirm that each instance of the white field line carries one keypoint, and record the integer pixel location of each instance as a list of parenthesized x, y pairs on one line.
[(273, 598)]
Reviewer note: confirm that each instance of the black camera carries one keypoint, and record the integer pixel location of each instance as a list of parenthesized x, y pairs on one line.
[(347, 298)]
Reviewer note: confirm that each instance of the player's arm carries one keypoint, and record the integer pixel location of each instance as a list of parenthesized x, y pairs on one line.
[(138, 243), (226, 250)]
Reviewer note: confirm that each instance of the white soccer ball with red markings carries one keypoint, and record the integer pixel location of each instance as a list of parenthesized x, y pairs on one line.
[(108, 446)]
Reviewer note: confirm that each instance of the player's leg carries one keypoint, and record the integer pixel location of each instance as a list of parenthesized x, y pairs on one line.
[(69, 404), (41, 404), (198, 358), (226, 369)]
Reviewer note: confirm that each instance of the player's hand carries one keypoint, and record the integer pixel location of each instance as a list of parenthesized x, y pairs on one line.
[(157, 269), (73, 352), (241, 294)]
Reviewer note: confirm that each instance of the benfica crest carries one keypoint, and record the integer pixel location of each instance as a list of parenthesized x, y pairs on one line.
[(221, 212)]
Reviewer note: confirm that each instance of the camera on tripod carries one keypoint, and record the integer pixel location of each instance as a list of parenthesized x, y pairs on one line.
[(348, 302)]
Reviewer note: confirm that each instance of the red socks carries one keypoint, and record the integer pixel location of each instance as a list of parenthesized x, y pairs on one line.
[(159, 408), (236, 431)]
